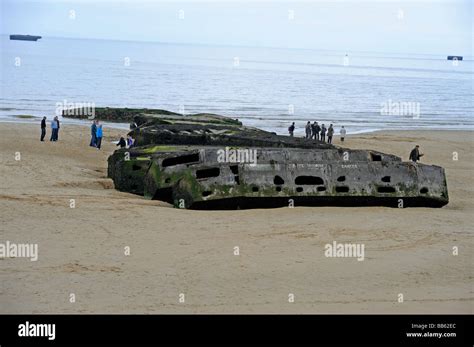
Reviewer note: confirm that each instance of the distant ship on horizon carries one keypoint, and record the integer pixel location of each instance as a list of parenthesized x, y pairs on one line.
[(25, 37)]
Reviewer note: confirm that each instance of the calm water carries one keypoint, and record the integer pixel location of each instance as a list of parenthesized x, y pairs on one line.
[(263, 87)]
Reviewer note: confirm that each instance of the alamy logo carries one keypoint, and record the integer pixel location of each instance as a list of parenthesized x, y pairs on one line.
[(345, 250), (19, 250), (400, 108), (239, 155), (76, 109), (37, 330)]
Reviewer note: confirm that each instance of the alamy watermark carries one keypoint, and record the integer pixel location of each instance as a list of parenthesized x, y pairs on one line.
[(237, 155), (345, 250), (28, 329), (400, 108), (19, 250), (76, 109)]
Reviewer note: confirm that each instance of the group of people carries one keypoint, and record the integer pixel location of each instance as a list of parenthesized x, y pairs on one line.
[(130, 142), (317, 132), (313, 131), (54, 129), (96, 134), (96, 137)]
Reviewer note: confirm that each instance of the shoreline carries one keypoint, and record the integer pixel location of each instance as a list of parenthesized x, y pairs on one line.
[(33, 120), (173, 251)]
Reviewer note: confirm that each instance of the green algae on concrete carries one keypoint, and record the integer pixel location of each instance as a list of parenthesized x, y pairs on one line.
[(178, 163)]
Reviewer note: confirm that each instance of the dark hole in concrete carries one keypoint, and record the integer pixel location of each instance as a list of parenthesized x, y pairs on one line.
[(424, 190), (254, 189), (234, 169), (342, 189), (386, 179), (278, 180), (184, 159), (206, 193), (308, 180), (321, 189), (206, 173), (168, 180), (375, 157), (237, 179), (341, 178), (278, 189), (136, 167), (299, 189), (386, 190)]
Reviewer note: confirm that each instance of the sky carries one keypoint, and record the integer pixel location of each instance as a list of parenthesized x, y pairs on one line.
[(417, 26)]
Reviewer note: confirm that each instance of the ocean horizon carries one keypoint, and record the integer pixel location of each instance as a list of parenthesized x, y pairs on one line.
[(268, 88)]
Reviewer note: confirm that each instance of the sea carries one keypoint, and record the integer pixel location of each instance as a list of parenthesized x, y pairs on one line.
[(268, 88)]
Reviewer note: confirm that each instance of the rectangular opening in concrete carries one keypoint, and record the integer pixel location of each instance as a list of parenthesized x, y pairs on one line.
[(184, 159), (207, 173), (375, 157), (308, 180), (342, 189)]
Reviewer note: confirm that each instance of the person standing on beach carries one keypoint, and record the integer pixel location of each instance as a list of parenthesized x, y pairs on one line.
[(313, 130), (343, 133), (323, 133), (57, 130), (98, 135), (93, 133), (330, 133), (415, 154), (318, 129), (54, 129), (122, 142), (291, 129), (43, 128), (308, 130)]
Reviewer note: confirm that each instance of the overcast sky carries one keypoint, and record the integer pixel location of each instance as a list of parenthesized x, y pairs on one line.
[(432, 27)]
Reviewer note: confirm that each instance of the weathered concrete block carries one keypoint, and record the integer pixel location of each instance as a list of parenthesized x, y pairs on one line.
[(209, 161)]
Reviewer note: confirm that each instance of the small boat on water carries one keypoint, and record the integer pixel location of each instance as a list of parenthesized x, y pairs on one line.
[(454, 57), (25, 37)]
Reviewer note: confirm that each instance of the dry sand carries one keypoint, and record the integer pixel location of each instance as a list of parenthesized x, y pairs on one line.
[(81, 249)]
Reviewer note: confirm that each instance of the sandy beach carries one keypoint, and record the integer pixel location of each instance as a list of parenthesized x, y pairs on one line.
[(172, 251)]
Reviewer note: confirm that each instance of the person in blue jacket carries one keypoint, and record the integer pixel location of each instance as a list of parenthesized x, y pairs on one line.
[(98, 135)]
